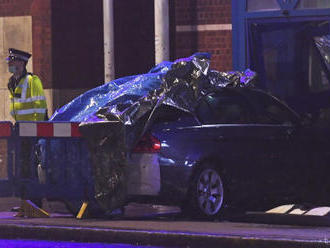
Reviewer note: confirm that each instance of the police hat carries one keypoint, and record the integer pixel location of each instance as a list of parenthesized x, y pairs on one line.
[(17, 54)]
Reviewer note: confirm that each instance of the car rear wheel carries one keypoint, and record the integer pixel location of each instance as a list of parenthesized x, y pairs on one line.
[(207, 194)]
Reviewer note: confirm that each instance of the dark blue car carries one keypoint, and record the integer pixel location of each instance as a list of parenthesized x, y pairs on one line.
[(242, 148)]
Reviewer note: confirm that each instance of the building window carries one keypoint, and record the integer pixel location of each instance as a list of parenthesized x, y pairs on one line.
[(313, 4), (264, 5)]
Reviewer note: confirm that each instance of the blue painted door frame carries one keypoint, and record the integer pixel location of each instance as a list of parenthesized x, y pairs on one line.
[(241, 17)]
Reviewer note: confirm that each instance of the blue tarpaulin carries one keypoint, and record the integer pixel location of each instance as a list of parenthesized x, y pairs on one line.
[(179, 84), (124, 90)]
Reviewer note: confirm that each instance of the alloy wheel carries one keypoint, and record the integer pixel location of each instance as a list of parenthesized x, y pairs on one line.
[(209, 192)]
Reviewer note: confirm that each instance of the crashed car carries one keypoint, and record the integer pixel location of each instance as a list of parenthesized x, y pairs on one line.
[(243, 148), (201, 139)]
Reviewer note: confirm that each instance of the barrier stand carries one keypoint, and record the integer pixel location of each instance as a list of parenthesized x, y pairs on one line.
[(82, 211), (45, 130), (8, 172), (31, 130), (6, 159), (29, 209)]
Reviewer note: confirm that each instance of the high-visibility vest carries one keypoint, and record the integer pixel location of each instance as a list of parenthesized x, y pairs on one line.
[(28, 102)]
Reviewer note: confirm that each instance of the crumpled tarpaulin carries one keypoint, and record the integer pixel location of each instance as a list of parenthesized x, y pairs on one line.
[(323, 45), (126, 99), (122, 92), (115, 115)]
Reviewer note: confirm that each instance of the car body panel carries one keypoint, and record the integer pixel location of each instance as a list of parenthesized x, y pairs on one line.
[(143, 174)]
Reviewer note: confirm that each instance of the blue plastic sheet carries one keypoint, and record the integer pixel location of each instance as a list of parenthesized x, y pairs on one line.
[(179, 84), (124, 90)]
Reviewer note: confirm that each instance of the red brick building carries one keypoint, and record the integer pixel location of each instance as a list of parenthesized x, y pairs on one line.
[(204, 25), (66, 39)]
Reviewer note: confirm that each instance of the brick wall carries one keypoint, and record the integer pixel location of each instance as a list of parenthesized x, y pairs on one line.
[(189, 12), (216, 39), (15, 7), (42, 41), (77, 27), (77, 36), (67, 38), (41, 35), (134, 36)]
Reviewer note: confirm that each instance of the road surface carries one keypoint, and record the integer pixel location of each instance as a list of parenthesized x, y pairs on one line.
[(142, 225)]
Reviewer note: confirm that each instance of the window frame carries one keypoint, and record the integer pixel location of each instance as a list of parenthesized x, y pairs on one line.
[(230, 93), (295, 119)]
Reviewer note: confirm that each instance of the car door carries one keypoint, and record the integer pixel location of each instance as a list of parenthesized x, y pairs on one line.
[(309, 163), (282, 143), (227, 124)]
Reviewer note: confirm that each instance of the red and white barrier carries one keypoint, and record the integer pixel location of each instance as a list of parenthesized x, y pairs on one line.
[(5, 128), (49, 129)]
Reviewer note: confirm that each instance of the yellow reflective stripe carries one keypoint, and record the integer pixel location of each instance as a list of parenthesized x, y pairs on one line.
[(31, 99)]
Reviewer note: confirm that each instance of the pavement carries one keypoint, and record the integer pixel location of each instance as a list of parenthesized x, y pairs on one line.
[(160, 226)]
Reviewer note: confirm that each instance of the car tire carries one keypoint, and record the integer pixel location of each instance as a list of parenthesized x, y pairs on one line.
[(206, 195)]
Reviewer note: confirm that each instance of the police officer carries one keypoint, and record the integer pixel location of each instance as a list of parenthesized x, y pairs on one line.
[(28, 102)]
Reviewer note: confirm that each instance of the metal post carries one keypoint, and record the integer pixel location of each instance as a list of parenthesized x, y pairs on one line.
[(108, 31), (162, 44)]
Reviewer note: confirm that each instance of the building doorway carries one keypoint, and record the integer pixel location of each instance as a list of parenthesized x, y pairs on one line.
[(292, 60), (287, 44)]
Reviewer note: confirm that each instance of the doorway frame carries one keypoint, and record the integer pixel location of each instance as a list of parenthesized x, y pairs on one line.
[(241, 17)]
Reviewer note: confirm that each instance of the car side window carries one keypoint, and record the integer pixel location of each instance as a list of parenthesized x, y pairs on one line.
[(166, 113), (221, 108), (273, 112)]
